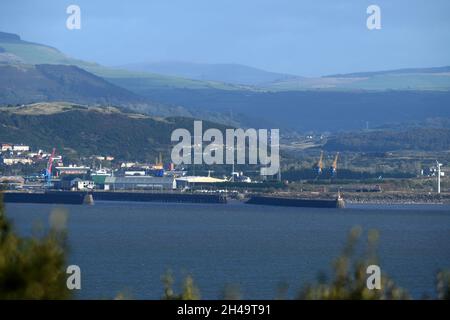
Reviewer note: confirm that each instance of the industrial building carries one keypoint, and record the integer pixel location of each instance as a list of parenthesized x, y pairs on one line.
[(188, 181), (72, 170), (16, 160), (14, 147), (74, 184), (140, 183)]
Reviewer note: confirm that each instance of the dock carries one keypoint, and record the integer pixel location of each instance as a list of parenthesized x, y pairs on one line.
[(80, 197), (297, 202)]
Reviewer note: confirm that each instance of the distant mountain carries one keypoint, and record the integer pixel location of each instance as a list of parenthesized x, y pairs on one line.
[(21, 84), (9, 37), (434, 70), (402, 79), (83, 131), (15, 50), (227, 73), (32, 72), (185, 75)]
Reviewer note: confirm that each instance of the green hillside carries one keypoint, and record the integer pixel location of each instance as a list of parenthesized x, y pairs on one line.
[(13, 50), (86, 131), (439, 81), (221, 77), (23, 83), (419, 138)]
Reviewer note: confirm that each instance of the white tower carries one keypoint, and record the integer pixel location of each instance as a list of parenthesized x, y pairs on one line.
[(438, 176)]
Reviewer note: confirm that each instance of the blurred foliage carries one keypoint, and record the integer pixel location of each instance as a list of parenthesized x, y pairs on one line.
[(349, 275), (32, 268), (443, 285), (231, 292), (189, 289), (124, 295)]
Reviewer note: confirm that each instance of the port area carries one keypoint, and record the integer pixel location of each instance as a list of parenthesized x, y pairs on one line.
[(291, 199), (90, 197)]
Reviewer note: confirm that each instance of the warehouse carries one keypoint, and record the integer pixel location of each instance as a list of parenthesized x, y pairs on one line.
[(140, 183), (189, 181)]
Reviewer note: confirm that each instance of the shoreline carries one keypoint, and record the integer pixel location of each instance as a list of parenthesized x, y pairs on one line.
[(305, 198), (385, 202)]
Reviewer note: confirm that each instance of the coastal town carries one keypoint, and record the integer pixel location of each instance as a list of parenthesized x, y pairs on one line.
[(103, 173), (27, 169)]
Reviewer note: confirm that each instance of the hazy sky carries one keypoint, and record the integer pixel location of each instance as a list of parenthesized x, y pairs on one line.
[(314, 37)]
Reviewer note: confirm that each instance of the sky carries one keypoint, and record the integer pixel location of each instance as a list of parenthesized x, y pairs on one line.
[(302, 37)]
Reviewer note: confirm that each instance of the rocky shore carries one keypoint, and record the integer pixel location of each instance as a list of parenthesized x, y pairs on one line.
[(391, 197), (397, 198)]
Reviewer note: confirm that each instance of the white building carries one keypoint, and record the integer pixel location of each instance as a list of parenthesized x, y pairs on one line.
[(127, 164), (84, 184), (12, 161), (6, 147), (20, 148), (140, 183), (187, 181), (73, 169), (135, 173)]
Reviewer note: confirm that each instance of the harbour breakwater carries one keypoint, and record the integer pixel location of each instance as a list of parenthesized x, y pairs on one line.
[(297, 202), (160, 197), (56, 197), (290, 200), (79, 197)]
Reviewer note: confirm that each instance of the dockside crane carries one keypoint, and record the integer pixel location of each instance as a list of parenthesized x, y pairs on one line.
[(48, 170), (319, 165), (333, 168)]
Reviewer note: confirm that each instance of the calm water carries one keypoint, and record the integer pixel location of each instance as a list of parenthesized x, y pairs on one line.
[(127, 247)]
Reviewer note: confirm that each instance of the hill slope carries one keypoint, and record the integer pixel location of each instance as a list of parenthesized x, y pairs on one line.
[(223, 76), (15, 50), (227, 73), (21, 84), (402, 79), (90, 130), (46, 82), (423, 139), (311, 110)]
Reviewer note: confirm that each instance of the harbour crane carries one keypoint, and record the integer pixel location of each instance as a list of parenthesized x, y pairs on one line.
[(48, 170), (319, 165), (333, 168)]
